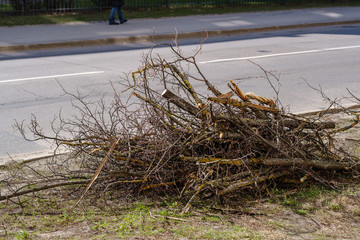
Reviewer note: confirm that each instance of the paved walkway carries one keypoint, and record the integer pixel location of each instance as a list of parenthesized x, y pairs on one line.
[(135, 30)]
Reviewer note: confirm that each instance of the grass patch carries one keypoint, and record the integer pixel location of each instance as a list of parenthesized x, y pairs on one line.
[(156, 13), (299, 202), (22, 234)]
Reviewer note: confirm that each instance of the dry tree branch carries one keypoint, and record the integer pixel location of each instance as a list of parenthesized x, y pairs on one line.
[(96, 173), (42, 188)]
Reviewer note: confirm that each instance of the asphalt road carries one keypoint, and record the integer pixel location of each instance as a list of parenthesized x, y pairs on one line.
[(326, 58)]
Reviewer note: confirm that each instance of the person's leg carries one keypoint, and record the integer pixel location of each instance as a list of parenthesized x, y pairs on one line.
[(121, 16), (112, 16)]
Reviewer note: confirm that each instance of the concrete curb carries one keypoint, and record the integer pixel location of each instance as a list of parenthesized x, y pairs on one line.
[(6, 161), (163, 37), (27, 158)]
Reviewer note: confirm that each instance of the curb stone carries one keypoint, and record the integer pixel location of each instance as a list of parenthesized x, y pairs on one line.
[(164, 37)]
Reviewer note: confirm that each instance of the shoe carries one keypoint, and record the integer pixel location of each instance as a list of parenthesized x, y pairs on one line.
[(123, 21), (113, 23)]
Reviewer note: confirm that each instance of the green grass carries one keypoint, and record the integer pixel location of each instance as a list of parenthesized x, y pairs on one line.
[(299, 202), (22, 235), (154, 13)]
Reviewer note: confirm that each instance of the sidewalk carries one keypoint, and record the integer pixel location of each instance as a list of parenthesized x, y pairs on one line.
[(137, 30)]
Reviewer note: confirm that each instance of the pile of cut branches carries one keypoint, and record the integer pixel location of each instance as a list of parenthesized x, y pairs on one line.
[(183, 135)]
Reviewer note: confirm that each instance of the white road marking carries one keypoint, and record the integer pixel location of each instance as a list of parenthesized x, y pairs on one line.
[(280, 54), (52, 76)]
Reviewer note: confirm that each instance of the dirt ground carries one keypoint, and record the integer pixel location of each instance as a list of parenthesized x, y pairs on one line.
[(323, 214)]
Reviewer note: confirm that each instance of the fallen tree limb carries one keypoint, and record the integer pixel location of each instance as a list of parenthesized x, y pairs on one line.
[(306, 163), (283, 162), (240, 104), (42, 188), (241, 183), (181, 103)]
